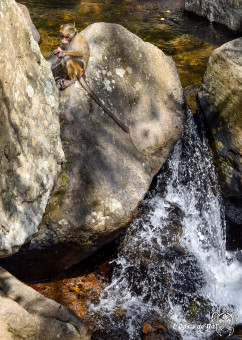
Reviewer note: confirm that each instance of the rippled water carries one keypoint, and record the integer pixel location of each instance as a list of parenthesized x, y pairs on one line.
[(172, 263), (161, 22)]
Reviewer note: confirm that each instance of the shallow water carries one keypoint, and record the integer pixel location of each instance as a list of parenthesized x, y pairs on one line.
[(162, 22)]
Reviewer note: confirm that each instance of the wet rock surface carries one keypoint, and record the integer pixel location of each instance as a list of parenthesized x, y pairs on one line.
[(236, 334), (225, 12), (154, 328), (220, 103), (108, 171)]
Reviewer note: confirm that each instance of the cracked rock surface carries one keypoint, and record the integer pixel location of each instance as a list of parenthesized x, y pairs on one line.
[(30, 146)]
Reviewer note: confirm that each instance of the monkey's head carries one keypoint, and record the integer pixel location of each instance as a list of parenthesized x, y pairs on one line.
[(67, 33)]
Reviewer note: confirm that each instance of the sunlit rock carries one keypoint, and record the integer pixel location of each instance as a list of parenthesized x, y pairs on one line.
[(26, 314), (108, 171), (30, 146), (26, 14)]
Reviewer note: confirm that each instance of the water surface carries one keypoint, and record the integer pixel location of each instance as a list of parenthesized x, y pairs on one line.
[(161, 22)]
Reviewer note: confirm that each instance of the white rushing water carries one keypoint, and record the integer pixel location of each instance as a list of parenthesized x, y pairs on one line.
[(173, 260)]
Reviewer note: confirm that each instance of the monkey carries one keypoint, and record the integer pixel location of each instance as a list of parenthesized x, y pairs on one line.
[(74, 56)]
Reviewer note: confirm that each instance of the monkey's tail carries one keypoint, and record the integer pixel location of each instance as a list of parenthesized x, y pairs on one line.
[(98, 101)]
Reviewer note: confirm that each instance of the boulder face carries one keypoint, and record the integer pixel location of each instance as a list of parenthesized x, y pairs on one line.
[(33, 29), (26, 314), (226, 12), (220, 104), (30, 146), (108, 171)]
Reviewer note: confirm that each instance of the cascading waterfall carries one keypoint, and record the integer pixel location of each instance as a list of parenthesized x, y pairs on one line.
[(172, 262)]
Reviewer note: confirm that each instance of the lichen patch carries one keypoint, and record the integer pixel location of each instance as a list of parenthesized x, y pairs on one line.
[(120, 72), (30, 91)]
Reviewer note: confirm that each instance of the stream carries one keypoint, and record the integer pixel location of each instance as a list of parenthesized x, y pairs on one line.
[(190, 41), (172, 265)]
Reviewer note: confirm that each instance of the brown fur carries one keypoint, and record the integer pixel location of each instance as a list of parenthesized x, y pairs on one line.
[(74, 69)]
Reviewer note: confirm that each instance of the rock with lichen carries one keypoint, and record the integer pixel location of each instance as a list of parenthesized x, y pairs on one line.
[(30, 145), (220, 103), (28, 19), (108, 172)]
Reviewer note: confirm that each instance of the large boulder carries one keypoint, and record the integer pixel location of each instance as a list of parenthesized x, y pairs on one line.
[(26, 314), (225, 12), (220, 103), (33, 29), (108, 171), (30, 146)]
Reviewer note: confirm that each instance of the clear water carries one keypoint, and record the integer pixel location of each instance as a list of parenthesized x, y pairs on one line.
[(161, 22), (173, 261)]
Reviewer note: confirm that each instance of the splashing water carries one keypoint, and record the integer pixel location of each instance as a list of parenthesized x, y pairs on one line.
[(172, 262)]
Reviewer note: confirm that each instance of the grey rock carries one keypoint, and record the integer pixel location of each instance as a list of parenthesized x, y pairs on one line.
[(108, 171), (157, 327), (220, 104), (225, 12), (30, 146), (238, 255), (26, 314)]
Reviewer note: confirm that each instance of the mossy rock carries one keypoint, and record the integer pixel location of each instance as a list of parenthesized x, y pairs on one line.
[(220, 104)]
